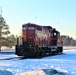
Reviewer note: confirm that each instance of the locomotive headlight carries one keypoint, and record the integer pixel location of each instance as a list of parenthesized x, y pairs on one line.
[(30, 45), (54, 34)]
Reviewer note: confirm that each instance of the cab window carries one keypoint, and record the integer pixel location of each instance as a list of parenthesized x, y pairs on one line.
[(31, 28), (24, 28)]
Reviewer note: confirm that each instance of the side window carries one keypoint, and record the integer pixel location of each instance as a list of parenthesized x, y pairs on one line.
[(29, 28), (39, 28)]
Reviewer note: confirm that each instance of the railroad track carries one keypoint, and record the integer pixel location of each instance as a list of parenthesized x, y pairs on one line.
[(11, 58)]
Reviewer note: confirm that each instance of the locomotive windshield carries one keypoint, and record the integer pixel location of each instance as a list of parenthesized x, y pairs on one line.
[(29, 28), (24, 28)]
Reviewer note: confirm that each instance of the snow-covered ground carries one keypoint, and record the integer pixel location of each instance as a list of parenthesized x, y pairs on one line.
[(65, 63)]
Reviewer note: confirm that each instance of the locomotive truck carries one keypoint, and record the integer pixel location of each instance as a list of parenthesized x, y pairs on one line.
[(38, 40)]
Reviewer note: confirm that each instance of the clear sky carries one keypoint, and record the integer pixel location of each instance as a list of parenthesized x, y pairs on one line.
[(60, 14)]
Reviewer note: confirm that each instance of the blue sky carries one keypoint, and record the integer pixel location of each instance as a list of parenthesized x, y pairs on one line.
[(60, 14)]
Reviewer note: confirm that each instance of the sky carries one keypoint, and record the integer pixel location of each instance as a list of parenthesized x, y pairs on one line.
[(60, 14)]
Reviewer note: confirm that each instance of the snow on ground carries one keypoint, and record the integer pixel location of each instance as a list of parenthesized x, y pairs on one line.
[(65, 63), (5, 72)]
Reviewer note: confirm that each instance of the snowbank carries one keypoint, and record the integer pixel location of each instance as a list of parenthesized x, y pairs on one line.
[(36, 72), (5, 72), (44, 72)]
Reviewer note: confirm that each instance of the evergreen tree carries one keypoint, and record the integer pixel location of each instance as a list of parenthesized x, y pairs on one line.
[(4, 30)]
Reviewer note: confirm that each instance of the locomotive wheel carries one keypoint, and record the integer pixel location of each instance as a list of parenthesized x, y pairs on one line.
[(42, 52), (60, 49)]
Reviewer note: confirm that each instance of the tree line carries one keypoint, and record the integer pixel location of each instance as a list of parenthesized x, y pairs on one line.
[(9, 41), (68, 41)]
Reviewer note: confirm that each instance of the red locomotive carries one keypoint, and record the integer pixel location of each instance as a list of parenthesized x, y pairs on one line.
[(39, 40)]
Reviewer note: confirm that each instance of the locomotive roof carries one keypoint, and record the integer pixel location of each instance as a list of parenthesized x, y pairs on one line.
[(54, 30), (48, 27), (35, 25), (30, 24)]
